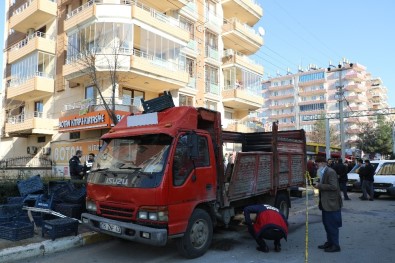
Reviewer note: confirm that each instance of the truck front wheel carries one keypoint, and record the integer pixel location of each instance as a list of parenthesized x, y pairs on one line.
[(198, 235)]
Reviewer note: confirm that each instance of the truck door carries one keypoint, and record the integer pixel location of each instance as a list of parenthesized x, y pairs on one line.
[(192, 181)]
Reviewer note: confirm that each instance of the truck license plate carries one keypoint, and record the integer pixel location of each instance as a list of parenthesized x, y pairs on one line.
[(380, 190), (110, 227)]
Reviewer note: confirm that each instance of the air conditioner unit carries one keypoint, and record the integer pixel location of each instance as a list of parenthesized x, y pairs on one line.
[(31, 149)]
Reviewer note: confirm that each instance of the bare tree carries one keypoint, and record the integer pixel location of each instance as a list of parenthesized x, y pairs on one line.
[(101, 57)]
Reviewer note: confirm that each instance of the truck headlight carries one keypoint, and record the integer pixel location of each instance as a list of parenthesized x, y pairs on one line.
[(91, 206), (153, 213)]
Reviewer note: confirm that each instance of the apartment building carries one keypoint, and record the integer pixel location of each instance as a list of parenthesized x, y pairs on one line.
[(65, 57), (296, 100)]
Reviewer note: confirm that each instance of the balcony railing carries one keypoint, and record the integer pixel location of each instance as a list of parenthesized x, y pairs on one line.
[(170, 65), (19, 81), (127, 101), (80, 9), (25, 41), (20, 118)]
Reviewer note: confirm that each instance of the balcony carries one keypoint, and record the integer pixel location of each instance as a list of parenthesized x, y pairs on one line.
[(358, 107), (32, 14), (356, 87), (283, 115), (36, 42), (167, 5), (307, 102), (159, 74), (281, 87), (241, 126), (281, 106), (160, 21), (241, 99), (33, 88), (240, 37), (307, 92), (311, 82), (353, 75), (282, 96), (246, 10), (235, 58), (356, 98), (31, 123)]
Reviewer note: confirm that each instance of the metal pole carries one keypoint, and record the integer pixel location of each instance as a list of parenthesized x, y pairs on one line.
[(327, 139), (340, 94)]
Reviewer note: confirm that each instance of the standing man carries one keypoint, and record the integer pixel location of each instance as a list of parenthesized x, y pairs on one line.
[(88, 164), (341, 170), (367, 183), (75, 166), (330, 204), (269, 224)]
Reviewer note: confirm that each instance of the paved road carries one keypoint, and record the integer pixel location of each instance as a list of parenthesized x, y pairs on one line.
[(367, 235)]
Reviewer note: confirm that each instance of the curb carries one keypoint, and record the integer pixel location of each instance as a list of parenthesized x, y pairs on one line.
[(48, 246)]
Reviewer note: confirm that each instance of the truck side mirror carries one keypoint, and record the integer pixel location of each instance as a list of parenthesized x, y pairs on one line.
[(193, 145)]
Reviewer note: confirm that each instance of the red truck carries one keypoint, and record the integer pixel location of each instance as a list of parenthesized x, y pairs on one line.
[(160, 175)]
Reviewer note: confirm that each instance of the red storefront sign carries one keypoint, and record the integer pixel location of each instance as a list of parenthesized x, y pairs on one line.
[(89, 121)]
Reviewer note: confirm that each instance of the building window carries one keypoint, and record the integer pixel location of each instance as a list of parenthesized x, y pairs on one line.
[(132, 97), (38, 109), (185, 100), (211, 105), (90, 93), (74, 135), (311, 77), (41, 139)]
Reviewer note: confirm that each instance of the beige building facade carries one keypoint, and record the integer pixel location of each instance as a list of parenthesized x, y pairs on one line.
[(64, 57)]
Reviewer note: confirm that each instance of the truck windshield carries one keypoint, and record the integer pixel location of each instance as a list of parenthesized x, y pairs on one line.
[(132, 162)]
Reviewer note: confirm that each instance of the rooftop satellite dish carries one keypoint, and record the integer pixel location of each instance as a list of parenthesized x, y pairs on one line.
[(261, 31)]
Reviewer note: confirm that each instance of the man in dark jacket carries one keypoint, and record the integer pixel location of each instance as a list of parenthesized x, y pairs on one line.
[(75, 166), (330, 204), (367, 182), (269, 224), (341, 170)]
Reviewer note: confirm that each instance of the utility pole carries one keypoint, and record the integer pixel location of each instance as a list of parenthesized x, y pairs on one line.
[(340, 94)]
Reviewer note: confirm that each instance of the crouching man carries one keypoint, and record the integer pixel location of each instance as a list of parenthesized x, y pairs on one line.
[(269, 224)]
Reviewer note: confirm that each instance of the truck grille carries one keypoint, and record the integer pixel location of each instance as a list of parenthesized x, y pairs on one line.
[(120, 213)]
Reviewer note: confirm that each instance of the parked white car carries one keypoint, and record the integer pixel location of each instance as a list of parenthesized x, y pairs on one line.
[(383, 178)]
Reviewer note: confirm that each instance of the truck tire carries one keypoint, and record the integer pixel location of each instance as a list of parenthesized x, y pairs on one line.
[(282, 203), (198, 235)]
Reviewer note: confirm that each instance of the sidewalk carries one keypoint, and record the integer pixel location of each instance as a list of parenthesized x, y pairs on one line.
[(31, 247)]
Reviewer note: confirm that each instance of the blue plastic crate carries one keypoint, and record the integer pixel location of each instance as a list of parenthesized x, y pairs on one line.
[(16, 230), (76, 196), (15, 200), (59, 227), (30, 186), (70, 210), (59, 189), (44, 201), (10, 210), (38, 218)]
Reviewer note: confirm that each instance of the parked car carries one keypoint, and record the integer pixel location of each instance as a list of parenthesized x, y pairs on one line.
[(384, 179), (353, 183)]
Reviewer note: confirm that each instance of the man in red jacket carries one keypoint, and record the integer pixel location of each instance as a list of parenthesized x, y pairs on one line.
[(269, 224)]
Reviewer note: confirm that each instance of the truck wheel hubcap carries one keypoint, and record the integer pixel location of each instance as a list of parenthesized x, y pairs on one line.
[(199, 234)]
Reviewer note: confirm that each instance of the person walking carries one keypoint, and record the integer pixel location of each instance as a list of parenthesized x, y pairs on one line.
[(75, 166), (341, 170), (269, 224), (330, 203), (361, 172), (368, 179)]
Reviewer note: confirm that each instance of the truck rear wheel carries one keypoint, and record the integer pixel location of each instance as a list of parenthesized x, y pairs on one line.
[(198, 235), (282, 203)]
